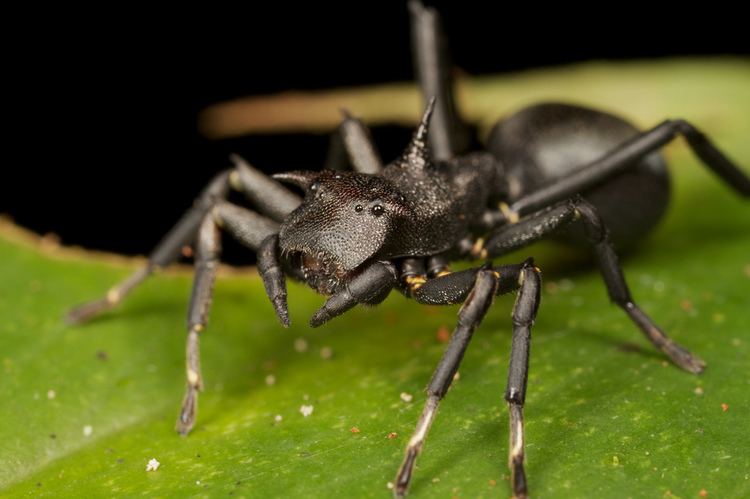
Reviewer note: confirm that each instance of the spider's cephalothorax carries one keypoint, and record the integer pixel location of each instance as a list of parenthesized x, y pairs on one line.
[(358, 235), (413, 208)]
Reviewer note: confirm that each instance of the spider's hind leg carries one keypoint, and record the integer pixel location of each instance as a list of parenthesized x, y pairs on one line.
[(542, 223)]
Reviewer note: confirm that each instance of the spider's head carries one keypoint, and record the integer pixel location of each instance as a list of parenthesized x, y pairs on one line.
[(345, 219)]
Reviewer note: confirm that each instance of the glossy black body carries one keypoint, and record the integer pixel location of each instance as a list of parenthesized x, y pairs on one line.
[(544, 143)]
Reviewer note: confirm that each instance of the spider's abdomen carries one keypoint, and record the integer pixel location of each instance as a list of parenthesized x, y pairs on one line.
[(546, 142)]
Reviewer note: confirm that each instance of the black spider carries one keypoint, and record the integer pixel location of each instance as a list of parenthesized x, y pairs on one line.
[(357, 235)]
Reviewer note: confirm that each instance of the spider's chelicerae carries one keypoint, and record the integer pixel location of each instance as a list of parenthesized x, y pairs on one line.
[(359, 234)]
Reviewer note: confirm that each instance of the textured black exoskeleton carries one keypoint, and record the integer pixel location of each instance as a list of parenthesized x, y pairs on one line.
[(359, 234)]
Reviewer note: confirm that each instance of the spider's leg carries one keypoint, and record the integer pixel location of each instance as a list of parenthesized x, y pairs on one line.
[(477, 288), (371, 286), (524, 313), (539, 224), (208, 247), (352, 143), (448, 134), (251, 229), (627, 155), (273, 276), (166, 252), (266, 194), (269, 196)]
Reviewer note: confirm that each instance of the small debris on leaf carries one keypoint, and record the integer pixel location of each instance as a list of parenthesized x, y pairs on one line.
[(725, 407), (152, 465), (102, 355), (406, 397), (270, 380), (354, 429), (300, 345), (51, 394), (306, 410), (88, 430), (703, 493), (492, 483), (389, 485), (278, 418), (392, 435), (698, 390), (326, 353), (443, 334)]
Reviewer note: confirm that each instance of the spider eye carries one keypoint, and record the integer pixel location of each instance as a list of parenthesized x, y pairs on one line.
[(378, 210), (358, 208)]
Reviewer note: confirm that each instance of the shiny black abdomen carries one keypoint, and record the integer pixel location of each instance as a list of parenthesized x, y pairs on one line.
[(545, 142)]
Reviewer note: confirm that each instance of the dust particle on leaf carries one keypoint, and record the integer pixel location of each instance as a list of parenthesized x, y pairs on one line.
[(306, 410), (724, 407), (326, 353), (443, 334), (88, 430), (270, 380), (703, 493), (406, 397), (152, 465), (300, 345), (392, 435), (698, 390), (354, 429), (51, 394)]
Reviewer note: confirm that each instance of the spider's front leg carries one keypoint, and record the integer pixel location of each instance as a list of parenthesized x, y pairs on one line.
[(477, 288), (371, 287), (201, 223), (268, 195), (250, 229)]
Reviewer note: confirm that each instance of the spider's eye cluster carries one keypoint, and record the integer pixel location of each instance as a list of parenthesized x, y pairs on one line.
[(376, 209)]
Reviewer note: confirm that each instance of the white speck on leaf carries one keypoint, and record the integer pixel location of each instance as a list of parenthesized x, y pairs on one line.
[(88, 430), (51, 394), (300, 345), (406, 397), (270, 380), (306, 410), (152, 465), (278, 418)]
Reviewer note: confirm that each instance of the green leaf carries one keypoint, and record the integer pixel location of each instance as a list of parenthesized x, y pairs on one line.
[(85, 408)]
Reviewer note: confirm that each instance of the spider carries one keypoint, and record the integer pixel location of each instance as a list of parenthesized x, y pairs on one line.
[(357, 235)]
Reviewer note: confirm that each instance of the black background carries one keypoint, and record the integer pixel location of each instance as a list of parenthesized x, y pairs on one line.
[(102, 105)]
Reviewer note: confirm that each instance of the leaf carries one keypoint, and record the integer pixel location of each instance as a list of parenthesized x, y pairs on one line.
[(606, 416)]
